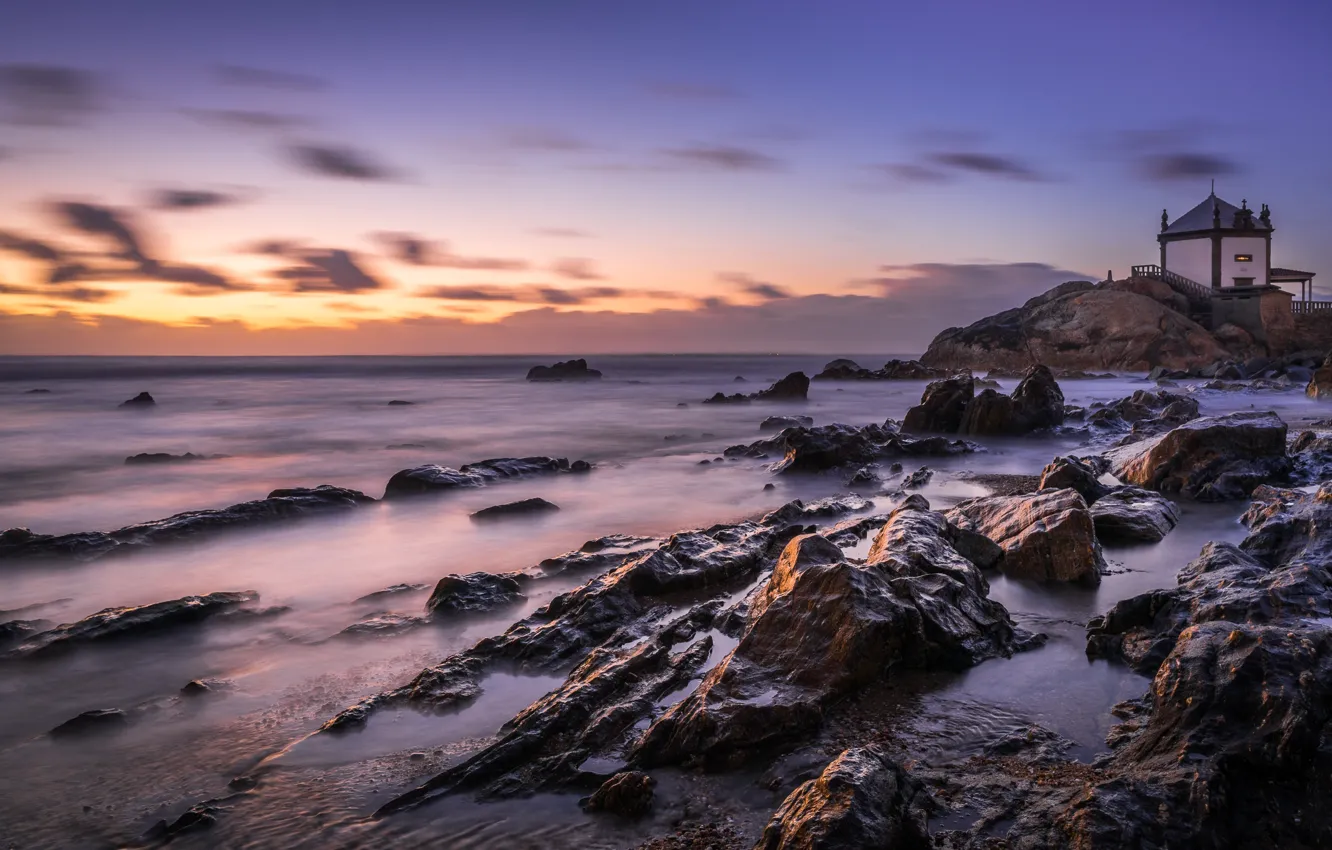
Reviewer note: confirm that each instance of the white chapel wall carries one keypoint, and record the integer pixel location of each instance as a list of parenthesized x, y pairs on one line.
[(1191, 258), (1252, 246)]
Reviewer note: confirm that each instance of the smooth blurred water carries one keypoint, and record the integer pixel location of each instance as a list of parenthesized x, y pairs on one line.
[(305, 421)]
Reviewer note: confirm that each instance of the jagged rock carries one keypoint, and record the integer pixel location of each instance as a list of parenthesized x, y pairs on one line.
[(863, 799), (1210, 459), (1046, 536), (1145, 413), (433, 478), (284, 504), (1311, 454), (1232, 753), (473, 592), (822, 628), (798, 512), (918, 479), (625, 602), (203, 687), (863, 477), (628, 794), (96, 721), (1081, 474), (1131, 514), (116, 623), (200, 816), (781, 423), (526, 507), (1036, 404), (827, 447), (391, 590), (1078, 325), (599, 555), (568, 370), (942, 408), (794, 387), (141, 400)]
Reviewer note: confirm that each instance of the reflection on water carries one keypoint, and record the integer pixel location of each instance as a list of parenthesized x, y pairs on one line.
[(291, 421)]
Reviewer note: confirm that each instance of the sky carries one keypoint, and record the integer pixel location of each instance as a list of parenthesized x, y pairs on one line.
[(592, 176)]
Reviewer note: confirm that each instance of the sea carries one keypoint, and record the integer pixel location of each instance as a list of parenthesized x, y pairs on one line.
[(265, 423)]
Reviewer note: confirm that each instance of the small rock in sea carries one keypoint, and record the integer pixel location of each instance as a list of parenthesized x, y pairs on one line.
[(473, 592), (521, 508), (769, 486), (739, 379), (405, 446), (704, 462), (91, 722), (201, 687), (918, 479), (683, 404), (243, 783), (161, 457), (141, 400), (781, 423), (628, 794), (397, 402), (417, 756), (863, 477), (895, 467), (391, 590), (569, 370), (38, 391), (580, 466)]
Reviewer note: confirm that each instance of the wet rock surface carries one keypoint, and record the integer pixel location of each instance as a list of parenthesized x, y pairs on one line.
[(822, 628), (863, 799), (93, 722), (568, 370), (141, 401), (280, 505), (1046, 536), (119, 623), (628, 794), (1144, 414), (433, 478), (794, 387), (1209, 459), (1133, 515), (473, 593)]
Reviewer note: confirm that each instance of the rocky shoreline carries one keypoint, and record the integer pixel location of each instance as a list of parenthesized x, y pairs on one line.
[(760, 646)]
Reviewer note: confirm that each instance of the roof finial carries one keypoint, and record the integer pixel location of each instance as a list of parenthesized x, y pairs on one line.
[(1213, 187)]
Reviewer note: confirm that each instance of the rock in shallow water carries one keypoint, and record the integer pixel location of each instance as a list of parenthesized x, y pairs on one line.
[(827, 447), (863, 799), (94, 722), (141, 400), (1131, 515), (568, 370), (781, 423), (628, 794), (472, 593), (433, 478), (1211, 459), (117, 623), (525, 507), (794, 387), (1046, 536)]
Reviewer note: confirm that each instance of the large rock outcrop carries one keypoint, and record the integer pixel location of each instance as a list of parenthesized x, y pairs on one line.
[(951, 406), (1210, 459), (568, 370), (823, 628), (1078, 325), (794, 387), (1046, 536)]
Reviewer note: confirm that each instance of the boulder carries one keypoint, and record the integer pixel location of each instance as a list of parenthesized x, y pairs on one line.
[(433, 478), (141, 400), (918, 479), (863, 799), (525, 507), (473, 592), (1078, 326), (568, 370), (131, 622), (1046, 536), (942, 408), (1080, 474), (628, 794), (1210, 459), (1133, 515)]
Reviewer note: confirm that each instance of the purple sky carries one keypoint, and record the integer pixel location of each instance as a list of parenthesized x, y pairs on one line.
[(561, 176)]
